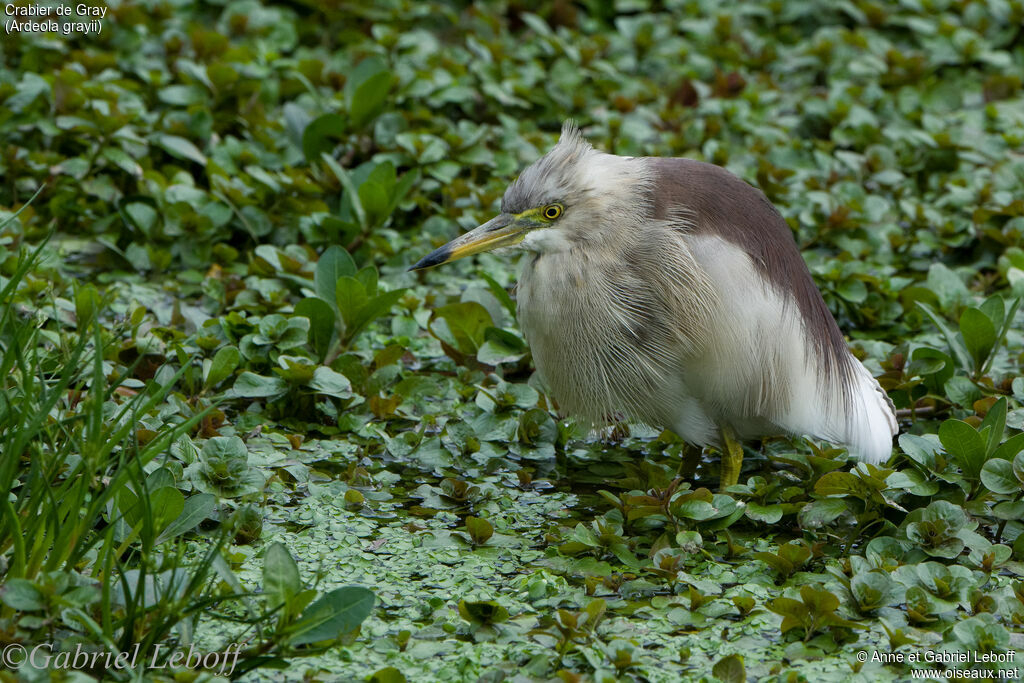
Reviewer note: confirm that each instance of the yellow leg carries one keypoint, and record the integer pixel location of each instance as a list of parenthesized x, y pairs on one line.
[(732, 459)]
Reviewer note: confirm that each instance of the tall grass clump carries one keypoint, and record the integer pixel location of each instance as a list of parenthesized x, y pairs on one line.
[(99, 547), (87, 507)]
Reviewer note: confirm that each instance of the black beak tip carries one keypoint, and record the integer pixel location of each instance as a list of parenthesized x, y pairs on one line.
[(434, 258)]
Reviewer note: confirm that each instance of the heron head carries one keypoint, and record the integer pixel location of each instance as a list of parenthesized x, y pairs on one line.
[(572, 194)]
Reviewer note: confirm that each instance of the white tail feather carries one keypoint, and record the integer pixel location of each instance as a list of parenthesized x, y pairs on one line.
[(872, 422)]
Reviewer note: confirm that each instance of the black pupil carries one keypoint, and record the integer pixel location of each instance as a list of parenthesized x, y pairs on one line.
[(552, 212)]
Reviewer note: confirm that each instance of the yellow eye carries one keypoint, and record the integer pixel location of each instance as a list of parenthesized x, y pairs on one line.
[(552, 211)]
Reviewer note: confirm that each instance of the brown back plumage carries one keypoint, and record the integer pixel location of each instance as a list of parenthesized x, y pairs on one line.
[(719, 203)]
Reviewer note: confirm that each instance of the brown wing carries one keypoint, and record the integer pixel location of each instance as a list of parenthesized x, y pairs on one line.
[(716, 202)]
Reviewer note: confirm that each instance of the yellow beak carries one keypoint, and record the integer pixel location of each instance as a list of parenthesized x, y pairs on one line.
[(504, 230)]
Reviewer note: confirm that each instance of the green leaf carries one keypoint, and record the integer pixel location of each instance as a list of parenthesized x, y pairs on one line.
[(995, 308), (388, 674), (479, 530), (482, 612), (730, 669), (197, 508), (1018, 467), (271, 327), (794, 552), (142, 215), (281, 581), (955, 341), (767, 514), (694, 509), (689, 541), (227, 447), (181, 95), (935, 366), (925, 361), (935, 529), (350, 189), (22, 595), (982, 633), (500, 294), (1009, 449), (883, 551), (979, 335), (1011, 510), (159, 478), (401, 189), (500, 346), (30, 87), (585, 536), (87, 303), (122, 160), (167, 504), (913, 481), (818, 513), (946, 285), (251, 385), (256, 221), (350, 297), (321, 324), (335, 614), (962, 391), (334, 263), (374, 199), (383, 174), (180, 147), (818, 601), (321, 134), (997, 476), (853, 290), (622, 552), (378, 306), (793, 612), (368, 276), (919, 449), (873, 590), (331, 383), (466, 323), (295, 369), (964, 444), (339, 231), (223, 364), (1008, 319), (369, 97), (839, 483), (995, 422)]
